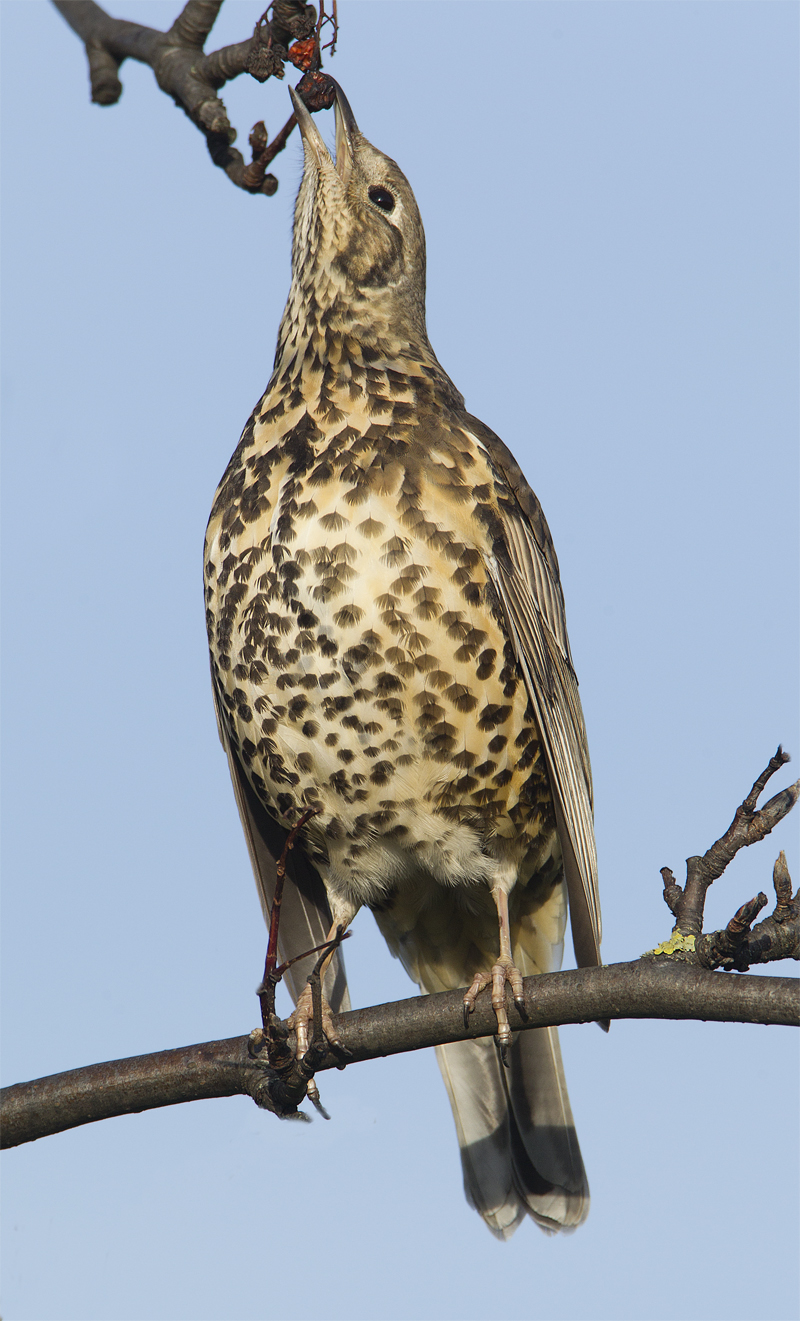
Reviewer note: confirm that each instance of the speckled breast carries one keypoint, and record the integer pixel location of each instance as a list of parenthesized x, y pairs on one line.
[(359, 654)]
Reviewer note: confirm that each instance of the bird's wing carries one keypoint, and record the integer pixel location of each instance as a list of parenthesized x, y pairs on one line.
[(524, 571), (305, 916)]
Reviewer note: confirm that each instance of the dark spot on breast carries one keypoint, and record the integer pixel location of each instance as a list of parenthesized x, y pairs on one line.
[(454, 624), (370, 527), (461, 697), (348, 616), (392, 706), (466, 784), (395, 552), (332, 522), (322, 473), (486, 664), (386, 682), (493, 715)]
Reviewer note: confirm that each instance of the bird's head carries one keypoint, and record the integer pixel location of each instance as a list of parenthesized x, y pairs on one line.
[(359, 245)]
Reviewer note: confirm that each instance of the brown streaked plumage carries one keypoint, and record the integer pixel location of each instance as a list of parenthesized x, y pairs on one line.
[(389, 645)]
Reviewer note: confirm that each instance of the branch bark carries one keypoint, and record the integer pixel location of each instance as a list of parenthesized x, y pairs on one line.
[(231, 1067), (192, 78)]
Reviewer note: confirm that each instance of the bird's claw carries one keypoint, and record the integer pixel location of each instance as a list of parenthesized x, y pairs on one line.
[(504, 971), (312, 1092)]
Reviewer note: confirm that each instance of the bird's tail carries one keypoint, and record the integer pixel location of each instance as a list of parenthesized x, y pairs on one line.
[(519, 1150)]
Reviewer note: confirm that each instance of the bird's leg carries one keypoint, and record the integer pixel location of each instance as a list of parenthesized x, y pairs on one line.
[(304, 1009), (306, 1065), (504, 970)]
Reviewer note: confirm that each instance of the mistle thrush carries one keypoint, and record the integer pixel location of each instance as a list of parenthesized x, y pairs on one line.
[(389, 646)]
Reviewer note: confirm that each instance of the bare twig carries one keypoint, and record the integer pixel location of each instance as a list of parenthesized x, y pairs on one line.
[(274, 1034), (192, 78), (777, 937), (673, 893), (226, 1068), (688, 903), (264, 153)]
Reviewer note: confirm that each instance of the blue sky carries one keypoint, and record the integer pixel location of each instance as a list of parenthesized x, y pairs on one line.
[(612, 272)]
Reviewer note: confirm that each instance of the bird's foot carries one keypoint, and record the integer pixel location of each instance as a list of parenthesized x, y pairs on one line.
[(303, 1017), (504, 971), (300, 1021)]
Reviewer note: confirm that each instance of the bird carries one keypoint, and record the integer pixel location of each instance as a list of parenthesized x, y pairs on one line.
[(389, 653)]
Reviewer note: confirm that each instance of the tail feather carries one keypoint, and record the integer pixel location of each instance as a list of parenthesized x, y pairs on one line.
[(480, 1104), (519, 1150)]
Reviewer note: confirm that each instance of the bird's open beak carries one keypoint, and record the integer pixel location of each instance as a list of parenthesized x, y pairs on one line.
[(346, 133)]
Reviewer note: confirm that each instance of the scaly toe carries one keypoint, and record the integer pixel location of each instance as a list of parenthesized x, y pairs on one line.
[(504, 972), (302, 1023), (478, 982)]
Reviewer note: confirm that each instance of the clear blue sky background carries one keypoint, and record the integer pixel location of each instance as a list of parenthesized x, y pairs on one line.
[(609, 192)]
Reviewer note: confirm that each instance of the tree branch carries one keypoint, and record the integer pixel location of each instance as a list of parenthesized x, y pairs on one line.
[(193, 79), (232, 1067), (663, 984), (778, 937)]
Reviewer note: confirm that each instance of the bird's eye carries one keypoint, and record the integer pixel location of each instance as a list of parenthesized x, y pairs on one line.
[(382, 198)]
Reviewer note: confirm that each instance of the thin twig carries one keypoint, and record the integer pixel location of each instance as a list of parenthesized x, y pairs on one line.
[(272, 975), (255, 173), (748, 826)]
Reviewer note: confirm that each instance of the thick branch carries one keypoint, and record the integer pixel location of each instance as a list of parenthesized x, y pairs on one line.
[(195, 21), (225, 1068), (185, 73)]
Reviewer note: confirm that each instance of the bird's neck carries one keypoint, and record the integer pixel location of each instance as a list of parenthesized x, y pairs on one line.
[(343, 347)]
